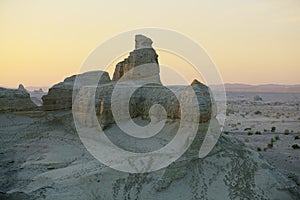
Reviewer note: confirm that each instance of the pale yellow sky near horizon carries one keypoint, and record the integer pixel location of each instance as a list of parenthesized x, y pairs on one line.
[(251, 41)]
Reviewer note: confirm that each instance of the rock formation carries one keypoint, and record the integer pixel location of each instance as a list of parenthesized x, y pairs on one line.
[(143, 54), (257, 98), (59, 96), (22, 88), (141, 65), (15, 100), (142, 41), (146, 96), (205, 101)]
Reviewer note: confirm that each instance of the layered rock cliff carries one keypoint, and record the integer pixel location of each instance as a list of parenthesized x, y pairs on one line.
[(15, 100)]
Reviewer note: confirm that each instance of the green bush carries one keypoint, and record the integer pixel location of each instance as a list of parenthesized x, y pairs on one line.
[(276, 137), (246, 140), (226, 132), (273, 129), (295, 146), (297, 137), (270, 145), (258, 112), (272, 140), (286, 131), (229, 111), (257, 133), (258, 149), (247, 129), (249, 133)]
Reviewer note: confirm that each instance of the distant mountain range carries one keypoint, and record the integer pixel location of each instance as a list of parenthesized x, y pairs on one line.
[(238, 87)]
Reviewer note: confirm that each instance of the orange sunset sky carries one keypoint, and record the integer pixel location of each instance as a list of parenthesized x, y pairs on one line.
[(251, 41)]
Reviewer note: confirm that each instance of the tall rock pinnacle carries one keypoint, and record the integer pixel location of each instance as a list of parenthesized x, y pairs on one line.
[(143, 54)]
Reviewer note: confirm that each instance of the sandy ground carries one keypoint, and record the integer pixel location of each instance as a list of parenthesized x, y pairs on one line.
[(279, 110), (251, 122)]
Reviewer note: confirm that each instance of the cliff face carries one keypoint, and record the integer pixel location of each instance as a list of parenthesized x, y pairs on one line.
[(15, 100), (59, 96)]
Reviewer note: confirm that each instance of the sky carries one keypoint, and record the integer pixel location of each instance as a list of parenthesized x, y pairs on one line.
[(250, 41)]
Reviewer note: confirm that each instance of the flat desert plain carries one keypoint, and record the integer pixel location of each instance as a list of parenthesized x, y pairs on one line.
[(269, 123)]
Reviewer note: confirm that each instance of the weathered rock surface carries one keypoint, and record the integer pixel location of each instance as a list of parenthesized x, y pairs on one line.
[(143, 54), (205, 101), (139, 105), (59, 96), (15, 100), (142, 41), (141, 101)]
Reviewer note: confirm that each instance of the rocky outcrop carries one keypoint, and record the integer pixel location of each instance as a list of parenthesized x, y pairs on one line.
[(205, 101), (141, 101), (142, 41), (22, 88), (15, 100), (170, 99), (143, 54), (257, 98), (140, 67), (59, 96)]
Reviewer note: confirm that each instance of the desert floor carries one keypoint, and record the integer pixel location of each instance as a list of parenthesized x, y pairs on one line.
[(251, 121)]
